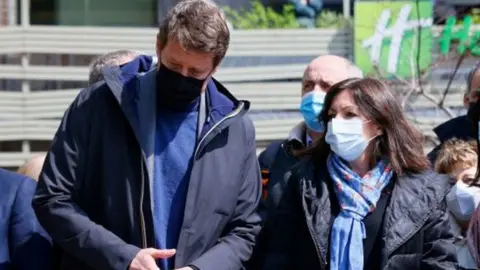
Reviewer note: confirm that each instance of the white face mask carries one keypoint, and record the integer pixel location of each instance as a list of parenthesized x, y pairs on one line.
[(463, 200), (345, 137)]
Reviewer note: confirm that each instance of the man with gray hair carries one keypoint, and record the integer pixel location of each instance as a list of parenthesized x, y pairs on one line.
[(115, 58), (156, 168), (459, 127)]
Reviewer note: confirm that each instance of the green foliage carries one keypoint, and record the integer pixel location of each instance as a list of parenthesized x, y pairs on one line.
[(476, 16), (262, 17), (330, 19)]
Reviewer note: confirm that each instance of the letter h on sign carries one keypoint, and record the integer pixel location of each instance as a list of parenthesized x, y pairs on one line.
[(465, 43)]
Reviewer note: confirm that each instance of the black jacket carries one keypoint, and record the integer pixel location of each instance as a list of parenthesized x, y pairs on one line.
[(275, 161), (93, 196), (459, 127), (415, 232)]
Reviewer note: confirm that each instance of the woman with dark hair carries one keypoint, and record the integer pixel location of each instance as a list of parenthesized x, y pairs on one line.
[(364, 196)]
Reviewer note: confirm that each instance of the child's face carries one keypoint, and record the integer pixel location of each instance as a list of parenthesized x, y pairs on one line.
[(467, 175)]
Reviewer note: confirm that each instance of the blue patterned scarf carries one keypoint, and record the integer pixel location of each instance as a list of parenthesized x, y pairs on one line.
[(357, 197)]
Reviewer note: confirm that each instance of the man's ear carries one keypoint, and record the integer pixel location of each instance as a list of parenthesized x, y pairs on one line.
[(466, 99)]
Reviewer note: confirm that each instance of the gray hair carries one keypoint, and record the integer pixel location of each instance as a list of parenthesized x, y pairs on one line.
[(115, 58), (470, 77), (198, 25)]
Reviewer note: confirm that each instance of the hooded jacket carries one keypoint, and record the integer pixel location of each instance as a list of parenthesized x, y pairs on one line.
[(94, 194)]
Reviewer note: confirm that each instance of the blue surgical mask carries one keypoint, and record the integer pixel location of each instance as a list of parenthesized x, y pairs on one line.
[(463, 200), (310, 107), (345, 137)]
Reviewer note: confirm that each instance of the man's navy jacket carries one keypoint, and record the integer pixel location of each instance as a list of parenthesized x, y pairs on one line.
[(94, 194)]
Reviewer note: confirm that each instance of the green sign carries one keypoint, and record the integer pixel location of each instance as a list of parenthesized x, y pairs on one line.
[(460, 35), (386, 35)]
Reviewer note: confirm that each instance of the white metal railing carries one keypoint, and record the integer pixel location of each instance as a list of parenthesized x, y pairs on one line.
[(99, 40), (30, 115), (273, 96)]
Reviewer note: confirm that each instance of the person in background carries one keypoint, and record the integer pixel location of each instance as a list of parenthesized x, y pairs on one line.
[(473, 232), (459, 127), (458, 159), (128, 182), (306, 11), (115, 58), (473, 237), (24, 245), (32, 167), (364, 197), (323, 72)]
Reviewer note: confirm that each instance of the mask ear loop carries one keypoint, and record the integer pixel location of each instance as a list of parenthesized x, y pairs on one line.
[(372, 138), (369, 140)]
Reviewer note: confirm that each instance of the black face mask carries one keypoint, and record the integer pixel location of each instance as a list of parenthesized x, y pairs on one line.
[(175, 91), (473, 112)]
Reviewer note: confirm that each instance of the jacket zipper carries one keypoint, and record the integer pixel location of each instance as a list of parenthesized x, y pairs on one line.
[(142, 182), (230, 115), (314, 239), (317, 247), (142, 196)]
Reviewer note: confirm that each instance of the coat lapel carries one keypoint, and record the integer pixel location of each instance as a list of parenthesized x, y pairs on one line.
[(317, 208)]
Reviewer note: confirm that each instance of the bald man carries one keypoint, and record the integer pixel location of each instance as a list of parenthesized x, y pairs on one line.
[(319, 76), (323, 72)]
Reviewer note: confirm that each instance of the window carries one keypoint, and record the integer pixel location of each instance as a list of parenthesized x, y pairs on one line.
[(94, 12)]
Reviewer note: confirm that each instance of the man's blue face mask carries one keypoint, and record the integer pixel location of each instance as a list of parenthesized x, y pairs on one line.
[(310, 107)]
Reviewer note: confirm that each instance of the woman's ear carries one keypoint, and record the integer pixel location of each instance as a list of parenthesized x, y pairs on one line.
[(379, 131)]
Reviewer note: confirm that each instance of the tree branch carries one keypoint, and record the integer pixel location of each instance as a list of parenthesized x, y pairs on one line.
[(450, 81)]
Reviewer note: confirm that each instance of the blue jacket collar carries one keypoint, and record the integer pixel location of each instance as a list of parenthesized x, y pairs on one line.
[(219, 102), (120, 79), (136, 94)]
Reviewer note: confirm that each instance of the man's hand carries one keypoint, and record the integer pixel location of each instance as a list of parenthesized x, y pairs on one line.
[(184, 268), (145, 258)]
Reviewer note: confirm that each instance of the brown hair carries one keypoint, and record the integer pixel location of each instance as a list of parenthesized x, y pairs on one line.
[(454, 152), (400, 143), (198, 25)]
